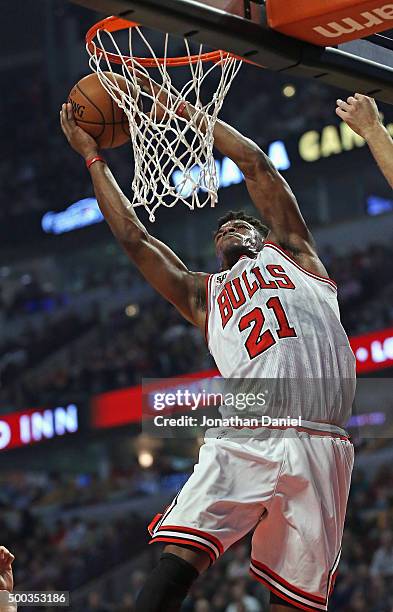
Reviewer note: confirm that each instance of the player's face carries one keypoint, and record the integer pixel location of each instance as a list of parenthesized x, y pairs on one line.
[(236, 238)]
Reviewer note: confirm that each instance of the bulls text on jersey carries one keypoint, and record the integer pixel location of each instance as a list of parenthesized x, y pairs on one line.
[(241, 289)]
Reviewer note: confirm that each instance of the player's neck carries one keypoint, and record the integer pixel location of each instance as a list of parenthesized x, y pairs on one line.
[(232, 259)]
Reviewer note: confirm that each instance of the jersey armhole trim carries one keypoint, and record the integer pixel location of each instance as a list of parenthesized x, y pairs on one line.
[(323, 279), (207, 289)]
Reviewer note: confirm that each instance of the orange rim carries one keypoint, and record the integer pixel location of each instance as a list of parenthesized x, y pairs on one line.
[(114, 24)]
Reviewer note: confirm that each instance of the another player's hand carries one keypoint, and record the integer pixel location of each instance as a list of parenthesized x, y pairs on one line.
[(6, 577), (360, 113), (79, 140)]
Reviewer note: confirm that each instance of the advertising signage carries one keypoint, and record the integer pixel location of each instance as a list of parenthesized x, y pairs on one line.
[(19, 429), (373, 351)]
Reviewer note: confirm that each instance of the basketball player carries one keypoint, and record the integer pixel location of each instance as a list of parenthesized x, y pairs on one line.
[(270, 313), (361, 114), (6, 579)]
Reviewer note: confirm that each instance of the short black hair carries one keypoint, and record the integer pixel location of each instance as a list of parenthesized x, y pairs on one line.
[(243, 216)]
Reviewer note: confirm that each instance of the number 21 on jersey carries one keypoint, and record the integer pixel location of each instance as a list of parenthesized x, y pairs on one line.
[(259, 341)]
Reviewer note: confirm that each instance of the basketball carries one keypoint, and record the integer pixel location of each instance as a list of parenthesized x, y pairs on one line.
[(97, 113)]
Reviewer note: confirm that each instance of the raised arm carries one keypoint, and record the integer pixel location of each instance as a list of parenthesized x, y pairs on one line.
[(155, 260), (269, 191), (361, 114), (271, 195)]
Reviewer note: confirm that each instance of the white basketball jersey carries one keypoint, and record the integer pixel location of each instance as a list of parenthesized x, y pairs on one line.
[(268, 318)]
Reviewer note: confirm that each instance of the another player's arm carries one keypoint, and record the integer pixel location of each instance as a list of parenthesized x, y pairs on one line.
[(155, 260), (361, 114)]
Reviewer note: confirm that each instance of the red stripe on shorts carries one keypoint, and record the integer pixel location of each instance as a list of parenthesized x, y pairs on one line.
[(271, 588), (197, 532), (180, 541), (268, 571)]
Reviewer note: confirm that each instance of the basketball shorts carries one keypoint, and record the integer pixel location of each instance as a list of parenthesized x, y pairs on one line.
[(291, 490)]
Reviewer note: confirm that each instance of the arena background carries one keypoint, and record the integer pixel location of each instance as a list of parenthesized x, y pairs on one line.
[(80, 329)]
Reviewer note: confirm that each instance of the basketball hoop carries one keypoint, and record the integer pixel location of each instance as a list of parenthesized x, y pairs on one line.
[(173, 153)]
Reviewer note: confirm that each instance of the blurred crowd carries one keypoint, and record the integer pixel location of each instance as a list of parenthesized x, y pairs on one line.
[(121, 351), (66, 556), (31, 492), (54, 551), (365, 288)]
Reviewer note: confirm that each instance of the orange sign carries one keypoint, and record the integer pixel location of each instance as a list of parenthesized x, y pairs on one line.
[(329, 23)]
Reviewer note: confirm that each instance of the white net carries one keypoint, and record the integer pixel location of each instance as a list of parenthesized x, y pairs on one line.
[(173, 154)]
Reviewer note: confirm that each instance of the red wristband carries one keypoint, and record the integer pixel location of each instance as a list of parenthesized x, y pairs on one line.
[(91, 161), (181, 108)]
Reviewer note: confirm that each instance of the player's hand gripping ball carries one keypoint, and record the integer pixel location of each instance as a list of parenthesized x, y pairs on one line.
[(97, 113)]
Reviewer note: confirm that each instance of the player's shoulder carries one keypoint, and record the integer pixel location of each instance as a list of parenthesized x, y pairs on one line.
[(216, 281), (308, 267)]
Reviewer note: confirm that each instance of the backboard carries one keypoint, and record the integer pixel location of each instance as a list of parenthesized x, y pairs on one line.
[(247, 10), (240, 26)]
